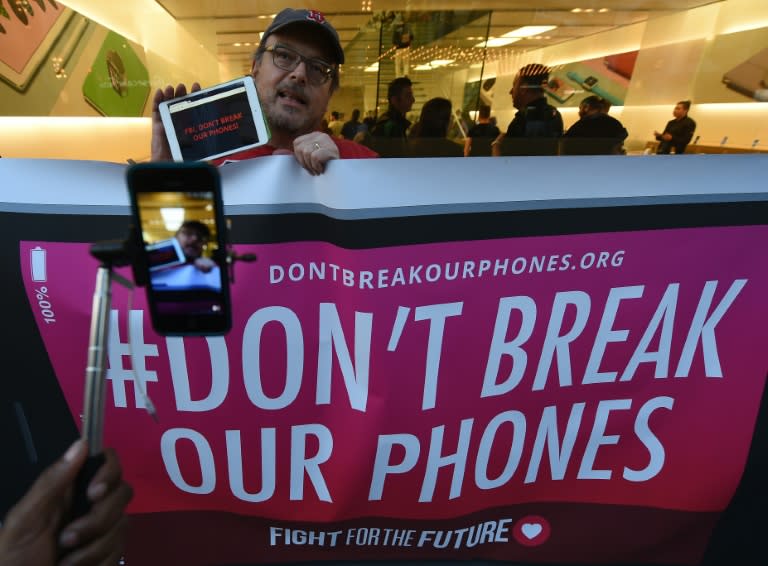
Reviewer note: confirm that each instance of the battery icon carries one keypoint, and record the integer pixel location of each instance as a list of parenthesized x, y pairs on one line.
[(37, 261)]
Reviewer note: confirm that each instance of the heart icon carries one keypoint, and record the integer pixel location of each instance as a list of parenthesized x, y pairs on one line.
[(531, 530)]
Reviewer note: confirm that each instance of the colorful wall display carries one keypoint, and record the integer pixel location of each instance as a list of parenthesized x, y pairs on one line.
[(57, 62)]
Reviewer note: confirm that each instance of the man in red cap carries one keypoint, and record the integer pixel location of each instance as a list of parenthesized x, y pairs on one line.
[(296, 71)]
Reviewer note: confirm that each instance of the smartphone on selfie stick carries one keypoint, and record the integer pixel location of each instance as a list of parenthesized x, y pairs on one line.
[(177, 248)]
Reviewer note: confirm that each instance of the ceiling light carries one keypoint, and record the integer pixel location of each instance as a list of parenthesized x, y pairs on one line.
[(372, 68), (604, 10), (238, 44), (441, 62), (589, 10), (527, 31), (498, 41), (172, 218), (424, 67), (576, 10)]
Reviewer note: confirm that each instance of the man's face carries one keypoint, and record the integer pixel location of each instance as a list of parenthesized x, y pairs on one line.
[(587, 110), (403, 102), (679, 111), (192, 242), (291, 104)]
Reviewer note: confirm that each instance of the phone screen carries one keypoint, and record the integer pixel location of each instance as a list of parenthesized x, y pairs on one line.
[(183, 247), (213, 122)]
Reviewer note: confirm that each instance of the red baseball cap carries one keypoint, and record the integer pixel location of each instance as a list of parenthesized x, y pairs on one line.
[(313, 18)]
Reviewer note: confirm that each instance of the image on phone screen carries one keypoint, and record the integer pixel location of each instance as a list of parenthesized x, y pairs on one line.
[(182, 248)]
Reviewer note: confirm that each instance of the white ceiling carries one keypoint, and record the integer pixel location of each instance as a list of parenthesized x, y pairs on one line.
[(241, 21)]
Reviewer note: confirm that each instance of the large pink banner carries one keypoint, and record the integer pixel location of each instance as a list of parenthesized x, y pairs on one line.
[(503, 398)]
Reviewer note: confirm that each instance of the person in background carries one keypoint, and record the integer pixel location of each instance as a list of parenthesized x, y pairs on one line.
[(296, 71), (595, 133), (349, 129), (480, 136), (428, 135), (678, 132), (324, 128), (537, 125), (335, 125), (390, 132), (40, 531), (363, 135)]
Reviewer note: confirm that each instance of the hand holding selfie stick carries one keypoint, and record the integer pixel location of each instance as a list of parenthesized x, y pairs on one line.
[(110, 254)]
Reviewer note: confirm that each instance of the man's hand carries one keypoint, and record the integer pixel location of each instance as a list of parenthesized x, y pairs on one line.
[(32, 533), (205, 264), (160, 149), (314, 150)]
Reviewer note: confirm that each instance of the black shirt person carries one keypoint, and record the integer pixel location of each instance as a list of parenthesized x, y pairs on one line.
[(537, 125), (678, 132), (481, 135), (595, 133), (349, 129), (389, 135), (428, 135)]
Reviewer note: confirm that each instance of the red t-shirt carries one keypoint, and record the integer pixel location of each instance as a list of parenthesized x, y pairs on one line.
[(347, 150)]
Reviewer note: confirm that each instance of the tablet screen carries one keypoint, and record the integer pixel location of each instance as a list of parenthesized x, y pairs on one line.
[(164, 254), (213, 122)]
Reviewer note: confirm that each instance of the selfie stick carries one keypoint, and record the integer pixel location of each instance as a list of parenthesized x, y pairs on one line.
[(95, 371), (111, 254)]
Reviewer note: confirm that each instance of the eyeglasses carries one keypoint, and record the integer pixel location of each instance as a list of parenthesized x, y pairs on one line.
[(318, 72)]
